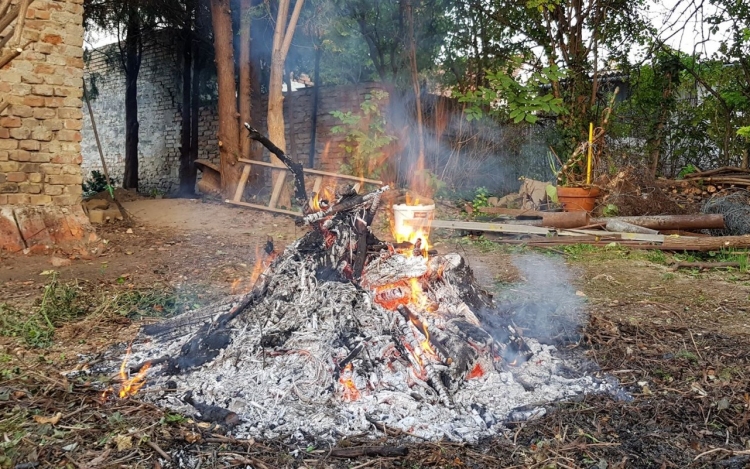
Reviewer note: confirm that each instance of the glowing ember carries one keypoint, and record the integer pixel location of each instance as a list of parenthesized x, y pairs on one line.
[(349, 390), (476, 372)]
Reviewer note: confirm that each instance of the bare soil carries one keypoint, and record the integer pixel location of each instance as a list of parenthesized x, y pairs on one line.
[(678, 342)]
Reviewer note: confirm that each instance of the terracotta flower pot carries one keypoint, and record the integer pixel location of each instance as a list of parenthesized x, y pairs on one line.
[(577, 199)]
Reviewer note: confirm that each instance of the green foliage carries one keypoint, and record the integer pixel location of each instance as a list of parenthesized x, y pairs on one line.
[(96, 183), (688, 169), (744, 132), (508, 97), (611, 210), (481, 199), (57, 306), (367, 136)]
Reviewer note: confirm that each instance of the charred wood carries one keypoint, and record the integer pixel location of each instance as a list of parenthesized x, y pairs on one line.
[(213, 413)]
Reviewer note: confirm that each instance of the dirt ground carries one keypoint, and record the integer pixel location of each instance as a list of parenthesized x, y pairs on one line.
[(677, 341)]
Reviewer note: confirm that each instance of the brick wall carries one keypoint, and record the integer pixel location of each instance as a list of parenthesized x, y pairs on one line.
[(40, 150), (40, 133), (159, 104)]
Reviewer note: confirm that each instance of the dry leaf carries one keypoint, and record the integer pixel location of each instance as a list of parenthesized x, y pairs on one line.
[(48, 420), (192, 437), (124, 442)]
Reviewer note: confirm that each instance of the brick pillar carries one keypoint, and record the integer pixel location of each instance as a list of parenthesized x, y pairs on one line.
[(40, 133)]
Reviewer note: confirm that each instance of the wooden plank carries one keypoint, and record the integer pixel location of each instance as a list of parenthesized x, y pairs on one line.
[(315, 171), (278, 185), (514, 212), (243, 181), (478, 226), (626, 236), (263, 207), (316, 185)]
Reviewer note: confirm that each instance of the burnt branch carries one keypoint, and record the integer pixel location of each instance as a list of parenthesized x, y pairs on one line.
[(294, 167)]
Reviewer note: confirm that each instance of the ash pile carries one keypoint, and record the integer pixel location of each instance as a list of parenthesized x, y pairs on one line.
[(343, 333)]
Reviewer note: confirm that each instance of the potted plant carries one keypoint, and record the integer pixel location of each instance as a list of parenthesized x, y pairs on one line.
[(574, 188)]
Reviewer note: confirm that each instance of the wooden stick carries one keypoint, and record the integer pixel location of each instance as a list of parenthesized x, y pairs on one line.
[(705, 265), (10, 56), (711, 172), (263, 207), (3, 104), (6, 20), (4, 4), (314, 171), (294, 167), (20, 23)]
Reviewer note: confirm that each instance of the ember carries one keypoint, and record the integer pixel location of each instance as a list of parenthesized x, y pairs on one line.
[(342, 328)]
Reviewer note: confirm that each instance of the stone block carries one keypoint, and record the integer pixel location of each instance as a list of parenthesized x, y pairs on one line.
[(54, 102), (10, 121), (69, 113), (44, 69), (10, 237), (18, 199), (28, 188), (8, 166), (53, 190), (40, 200), (40, 157), (48, 168), (19, 155), (22, 110), (96, 216), (8, 188), (93, 204), (44, 113), (66, 200), (69, 136), (8, 144), (33, 101), (4, 133), (21, 133), (53, 39), (35, 177), (3, 200), (32, 145), (16, 176), (73, 124), (4, 156), (64, 179)]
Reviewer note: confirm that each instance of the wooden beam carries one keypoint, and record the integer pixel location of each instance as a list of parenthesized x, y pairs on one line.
[(314, 171), (243, 182), (478, 226), (263, 207), (277, 187), (316, 185)]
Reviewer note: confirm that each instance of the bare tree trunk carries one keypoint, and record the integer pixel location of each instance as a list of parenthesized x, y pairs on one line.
[(187, 183), (245, 87), (133, 50), (289, 103), (421, 187), (229, 149), (282, 40), (316, 99)]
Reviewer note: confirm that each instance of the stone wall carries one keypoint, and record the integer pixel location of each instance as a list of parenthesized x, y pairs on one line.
[(159, 104), (40, 150)]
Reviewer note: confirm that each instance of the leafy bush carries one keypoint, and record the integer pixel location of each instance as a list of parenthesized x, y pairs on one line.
[(366, 136), (96, 183)]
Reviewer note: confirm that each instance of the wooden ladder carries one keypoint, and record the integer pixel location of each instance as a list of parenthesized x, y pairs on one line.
[(279, 184)]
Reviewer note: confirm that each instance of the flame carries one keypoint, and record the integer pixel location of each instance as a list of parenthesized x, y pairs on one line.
[(413, 234), (130, 385), (349, 389), (321, 200), (418, 297)]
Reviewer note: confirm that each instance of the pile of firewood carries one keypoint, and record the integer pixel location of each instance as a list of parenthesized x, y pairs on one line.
[(695, 188)]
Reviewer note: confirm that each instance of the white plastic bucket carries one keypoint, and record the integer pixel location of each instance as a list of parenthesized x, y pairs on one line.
[(410, 219)]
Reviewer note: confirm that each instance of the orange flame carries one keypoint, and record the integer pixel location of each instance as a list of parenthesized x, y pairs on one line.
[(349, 389), (130, 386)]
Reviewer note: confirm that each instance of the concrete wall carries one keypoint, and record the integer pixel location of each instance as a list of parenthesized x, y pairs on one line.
[(160, 101)]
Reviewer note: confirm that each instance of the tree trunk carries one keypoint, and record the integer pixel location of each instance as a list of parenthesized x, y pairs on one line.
[(245, 88), (229, 149), (187, 168), (289, 104), (419, 184), (133, 49), (282, 40), (316, 99)]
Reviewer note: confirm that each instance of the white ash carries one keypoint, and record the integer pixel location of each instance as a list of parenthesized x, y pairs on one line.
[(278, 373)]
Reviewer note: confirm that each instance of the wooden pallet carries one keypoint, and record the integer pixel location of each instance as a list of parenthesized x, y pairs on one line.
[(279, 184)]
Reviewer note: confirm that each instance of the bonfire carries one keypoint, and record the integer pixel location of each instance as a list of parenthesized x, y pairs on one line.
[(345, 333)]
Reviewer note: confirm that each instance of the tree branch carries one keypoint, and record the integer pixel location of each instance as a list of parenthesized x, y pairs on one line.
[(289, 30), (24, 5)]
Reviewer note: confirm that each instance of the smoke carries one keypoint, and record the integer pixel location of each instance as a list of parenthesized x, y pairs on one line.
[(465, 155), (544, 304)]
